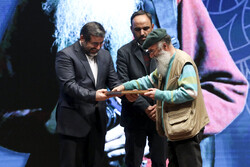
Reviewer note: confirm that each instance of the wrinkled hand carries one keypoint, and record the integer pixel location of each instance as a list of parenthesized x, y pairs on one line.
[(151, 112), (118, 88), (151, 93), (130, 97), (101, 95)]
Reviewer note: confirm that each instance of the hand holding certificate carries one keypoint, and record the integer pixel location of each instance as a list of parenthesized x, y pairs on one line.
[(131, 95)]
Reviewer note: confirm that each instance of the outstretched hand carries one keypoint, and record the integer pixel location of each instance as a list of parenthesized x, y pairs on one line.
[(130, 97), (151, 93), (118, 88)]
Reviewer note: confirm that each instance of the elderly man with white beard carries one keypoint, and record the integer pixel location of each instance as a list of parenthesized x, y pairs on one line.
[(181, 114)]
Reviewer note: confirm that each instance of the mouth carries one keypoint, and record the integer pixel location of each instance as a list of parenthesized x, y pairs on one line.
[(143, 38), (93, 51)]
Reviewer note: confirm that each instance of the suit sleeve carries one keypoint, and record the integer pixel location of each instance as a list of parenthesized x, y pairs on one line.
[(122, 69), (112, 79), (65, 72)]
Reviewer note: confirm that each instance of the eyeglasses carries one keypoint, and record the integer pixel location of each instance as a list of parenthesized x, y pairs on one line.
[(139, 29), (153, 51)]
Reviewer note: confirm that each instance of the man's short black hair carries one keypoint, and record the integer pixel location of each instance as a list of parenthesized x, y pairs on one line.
[(140, 12), (94, 29)]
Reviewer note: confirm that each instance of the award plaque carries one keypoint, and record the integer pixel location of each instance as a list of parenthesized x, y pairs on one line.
[(119, 93)]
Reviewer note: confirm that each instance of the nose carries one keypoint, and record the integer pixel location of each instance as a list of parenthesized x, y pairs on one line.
[(98, 46), (142, 32)]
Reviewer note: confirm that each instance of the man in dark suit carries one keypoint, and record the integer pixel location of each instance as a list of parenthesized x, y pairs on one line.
[(83, 70), (138, 118)]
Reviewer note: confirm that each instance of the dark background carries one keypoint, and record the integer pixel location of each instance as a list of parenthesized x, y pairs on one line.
[(32, 86)]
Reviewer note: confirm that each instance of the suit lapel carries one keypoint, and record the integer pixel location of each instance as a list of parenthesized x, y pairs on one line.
[(100, 68), (138, 55), (83, 59)]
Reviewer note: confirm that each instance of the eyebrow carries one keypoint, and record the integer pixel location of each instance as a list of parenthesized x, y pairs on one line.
[(96, 43), (139, 29)]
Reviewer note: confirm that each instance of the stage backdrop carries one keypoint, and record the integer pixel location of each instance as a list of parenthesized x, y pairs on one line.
[(216, 34)]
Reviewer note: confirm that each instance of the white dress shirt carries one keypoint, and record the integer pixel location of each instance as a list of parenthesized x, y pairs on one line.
[(93, 66)]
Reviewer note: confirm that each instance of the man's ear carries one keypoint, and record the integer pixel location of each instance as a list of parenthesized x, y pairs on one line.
[(81, 37), (165, 46), (82, 40)]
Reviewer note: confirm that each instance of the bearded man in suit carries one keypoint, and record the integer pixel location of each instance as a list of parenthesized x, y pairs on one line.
[(84, 70)]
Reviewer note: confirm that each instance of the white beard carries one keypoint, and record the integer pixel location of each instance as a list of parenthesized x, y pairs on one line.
[(163, 60)]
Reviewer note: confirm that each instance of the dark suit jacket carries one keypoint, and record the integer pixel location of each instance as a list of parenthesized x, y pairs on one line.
[(77, 105), (131, 65)]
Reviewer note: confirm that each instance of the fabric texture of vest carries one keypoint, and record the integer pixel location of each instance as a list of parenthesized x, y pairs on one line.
[(181, 121)]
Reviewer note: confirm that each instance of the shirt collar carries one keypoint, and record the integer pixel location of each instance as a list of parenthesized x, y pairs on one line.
[(140, 46)]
